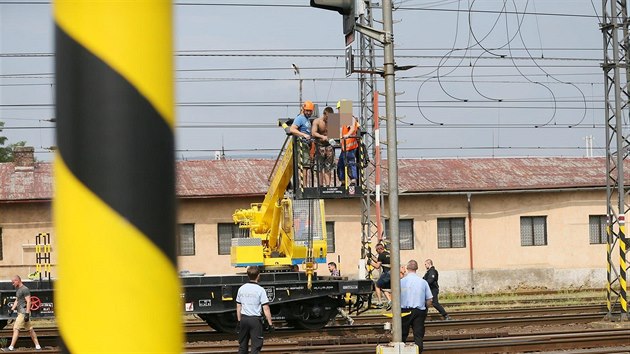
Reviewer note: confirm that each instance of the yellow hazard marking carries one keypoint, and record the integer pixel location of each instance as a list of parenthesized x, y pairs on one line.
[(116, 290), (391, 315), (128, 44)]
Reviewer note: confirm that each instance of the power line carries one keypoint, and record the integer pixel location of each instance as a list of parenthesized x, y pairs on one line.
[(405, 125), (332, 55), (403, 103), (401, 8), (498, 12)]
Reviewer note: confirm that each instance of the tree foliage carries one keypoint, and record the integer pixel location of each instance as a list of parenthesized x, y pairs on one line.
[(6, 152)]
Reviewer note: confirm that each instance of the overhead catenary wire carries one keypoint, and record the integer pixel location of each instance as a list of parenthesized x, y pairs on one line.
[(402, 125), (535, 61), (558, 64), (268, 153), (516, 66), (252, 4)]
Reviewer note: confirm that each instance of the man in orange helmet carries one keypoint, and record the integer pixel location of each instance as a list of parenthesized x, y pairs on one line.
[(301, 129)]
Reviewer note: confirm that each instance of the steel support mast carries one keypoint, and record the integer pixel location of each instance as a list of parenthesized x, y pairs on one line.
[(386, 38), (614, 27), (371, 199), (392, 164)]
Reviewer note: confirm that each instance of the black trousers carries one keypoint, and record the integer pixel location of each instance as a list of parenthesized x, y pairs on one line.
[(436, 302), (251, 328), (414, 320)]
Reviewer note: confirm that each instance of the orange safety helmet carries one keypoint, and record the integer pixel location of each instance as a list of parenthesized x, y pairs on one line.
[(308, 106)]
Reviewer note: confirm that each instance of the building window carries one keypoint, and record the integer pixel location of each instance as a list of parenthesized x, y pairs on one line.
[(451, 232), (533, 230), (227, 231), (330, 236), (405, 232), (597, 229), (186, 240)]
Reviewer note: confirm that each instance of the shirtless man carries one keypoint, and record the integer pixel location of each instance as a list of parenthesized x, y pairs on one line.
[(324, 156)]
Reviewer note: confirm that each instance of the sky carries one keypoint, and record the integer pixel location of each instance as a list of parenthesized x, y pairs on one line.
[(489, 78)]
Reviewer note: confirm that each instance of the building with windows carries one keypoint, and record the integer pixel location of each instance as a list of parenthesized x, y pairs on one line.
[(487, 223)]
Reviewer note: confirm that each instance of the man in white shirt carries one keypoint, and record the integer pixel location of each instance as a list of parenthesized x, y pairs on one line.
[(251, 299), (415, 297)]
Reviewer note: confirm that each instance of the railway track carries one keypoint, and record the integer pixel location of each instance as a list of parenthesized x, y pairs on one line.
[(481, 344), (376, 328), (368, 330), (434, 319), (493, 303), (590, 341), (199, 325)]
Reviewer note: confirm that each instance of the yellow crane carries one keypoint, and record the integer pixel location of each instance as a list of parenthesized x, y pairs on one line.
[(281, 232)]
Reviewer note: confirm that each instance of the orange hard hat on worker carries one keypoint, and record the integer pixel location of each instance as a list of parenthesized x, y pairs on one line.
[(308, 106)]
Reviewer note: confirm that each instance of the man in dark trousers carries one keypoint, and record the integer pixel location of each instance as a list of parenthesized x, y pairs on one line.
[(431, 276), (382, 262), (251, 300), (415, 298)]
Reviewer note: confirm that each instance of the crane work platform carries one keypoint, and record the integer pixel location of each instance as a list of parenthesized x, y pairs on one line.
[(325, 169), (310, 180), (289, 227)]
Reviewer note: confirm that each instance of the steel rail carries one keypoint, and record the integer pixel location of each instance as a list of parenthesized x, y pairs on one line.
[(507, 344)]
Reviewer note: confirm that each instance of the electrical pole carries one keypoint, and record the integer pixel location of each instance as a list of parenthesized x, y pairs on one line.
[(370, 124), (347, 8), (296, 71), (392, 165), (614, 28)]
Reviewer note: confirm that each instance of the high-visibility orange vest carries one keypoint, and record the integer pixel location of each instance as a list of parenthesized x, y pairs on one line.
[(351, 143)]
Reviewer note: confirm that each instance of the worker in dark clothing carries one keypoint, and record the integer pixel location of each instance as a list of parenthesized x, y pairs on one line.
[(431, 276), (382, 262), (251, 303)]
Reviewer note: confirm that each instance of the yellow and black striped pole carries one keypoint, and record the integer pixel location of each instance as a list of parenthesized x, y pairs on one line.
[(114, 209), (623, 266), (609, 242)]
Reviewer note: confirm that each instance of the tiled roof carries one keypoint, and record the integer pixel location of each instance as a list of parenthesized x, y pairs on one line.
[(492, 174), (221, 178), (26, 184)]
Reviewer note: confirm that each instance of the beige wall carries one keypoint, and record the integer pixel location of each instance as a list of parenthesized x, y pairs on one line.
[(496, 229), (346, 214), (499, 260), (20, 224), (206, 214)]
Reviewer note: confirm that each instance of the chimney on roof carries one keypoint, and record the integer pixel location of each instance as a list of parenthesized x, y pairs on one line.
[(24, 158)]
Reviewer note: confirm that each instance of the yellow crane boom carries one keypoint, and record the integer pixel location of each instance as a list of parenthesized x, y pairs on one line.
[(281, 232)]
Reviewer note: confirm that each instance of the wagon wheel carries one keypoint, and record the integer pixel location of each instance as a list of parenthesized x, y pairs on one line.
[(314, 314), (221, 322)]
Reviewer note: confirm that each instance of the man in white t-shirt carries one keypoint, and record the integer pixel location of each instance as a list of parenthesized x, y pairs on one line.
[(251, 300)]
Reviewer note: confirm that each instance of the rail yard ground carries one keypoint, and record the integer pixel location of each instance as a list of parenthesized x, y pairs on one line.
[(536, 320)]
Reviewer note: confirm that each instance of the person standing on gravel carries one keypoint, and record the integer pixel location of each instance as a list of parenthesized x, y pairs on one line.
[(22, 305), (415, 298), (431, 276), (251, 300)]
